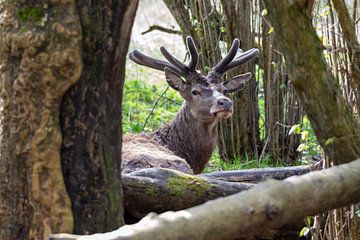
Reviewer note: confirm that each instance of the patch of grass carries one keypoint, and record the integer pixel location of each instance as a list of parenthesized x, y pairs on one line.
[(138, 102), (216, 164)]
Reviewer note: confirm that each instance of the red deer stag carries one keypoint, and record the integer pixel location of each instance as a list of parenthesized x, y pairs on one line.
[(187, 142)]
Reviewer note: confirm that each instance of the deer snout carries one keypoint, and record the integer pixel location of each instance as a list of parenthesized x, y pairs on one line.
[(225, 103), (222, 107)]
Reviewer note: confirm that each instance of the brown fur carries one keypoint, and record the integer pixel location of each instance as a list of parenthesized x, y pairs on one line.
[(143, 151)]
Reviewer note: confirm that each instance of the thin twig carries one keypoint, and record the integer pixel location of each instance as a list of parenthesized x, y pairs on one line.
[(154, 106), (162, 29)]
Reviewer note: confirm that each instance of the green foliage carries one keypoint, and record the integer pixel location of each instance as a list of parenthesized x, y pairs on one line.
[(27, 14), (358, 213), (216, 164), (138, 102), (309, 145)]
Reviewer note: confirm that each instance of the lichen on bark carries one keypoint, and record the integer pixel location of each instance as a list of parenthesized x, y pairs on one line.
[(38, 63)]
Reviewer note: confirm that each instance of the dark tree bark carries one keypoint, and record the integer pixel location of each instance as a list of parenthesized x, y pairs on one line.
[(91, 117), (40, 58), (348, 28), (269, 205), (337, 131), (239, 136)]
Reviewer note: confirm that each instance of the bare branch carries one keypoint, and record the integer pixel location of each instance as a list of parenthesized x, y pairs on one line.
[(162, 29)]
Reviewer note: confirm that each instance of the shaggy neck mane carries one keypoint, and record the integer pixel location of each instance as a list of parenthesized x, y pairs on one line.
[(188, 138)]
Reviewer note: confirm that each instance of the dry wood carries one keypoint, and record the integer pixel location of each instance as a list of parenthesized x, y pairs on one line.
[(269, 205), (258, 174)]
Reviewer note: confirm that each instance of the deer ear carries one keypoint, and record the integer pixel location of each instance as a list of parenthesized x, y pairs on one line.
[(236, 83), (174, 80)]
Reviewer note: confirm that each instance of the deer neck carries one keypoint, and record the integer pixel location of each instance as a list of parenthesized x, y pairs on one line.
[(189, 138)]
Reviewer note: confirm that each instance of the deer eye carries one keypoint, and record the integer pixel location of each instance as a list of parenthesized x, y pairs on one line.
[(195, 92)]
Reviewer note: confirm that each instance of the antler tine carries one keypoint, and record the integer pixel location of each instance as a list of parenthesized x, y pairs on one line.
[(181, 66), (194, 54), (242, 59), (147, 61), (229, 57)]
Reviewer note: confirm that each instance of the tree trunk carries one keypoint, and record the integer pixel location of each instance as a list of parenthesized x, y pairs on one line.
[(337, 131), (91, 117), (353, 45), (160, 190), (239, 136), (40, 58), (269, 205), (282, 109), (259, 174)]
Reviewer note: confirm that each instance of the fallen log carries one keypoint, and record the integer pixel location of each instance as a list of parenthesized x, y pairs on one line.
[(258, 174), (159, 190), (268, 205)]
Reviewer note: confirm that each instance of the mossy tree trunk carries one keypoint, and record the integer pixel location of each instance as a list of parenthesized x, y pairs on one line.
[(40, 58), (337, 130), (91, 117)]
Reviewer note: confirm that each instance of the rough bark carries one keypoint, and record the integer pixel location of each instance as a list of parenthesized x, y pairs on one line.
[(348, 28), (270, 205), (40, 58), (335, 127), (91, 117), (258, 174), (159, 190), (282, 108), (239, 136)]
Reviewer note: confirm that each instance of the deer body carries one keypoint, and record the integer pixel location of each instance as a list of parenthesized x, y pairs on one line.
[(187, 142)]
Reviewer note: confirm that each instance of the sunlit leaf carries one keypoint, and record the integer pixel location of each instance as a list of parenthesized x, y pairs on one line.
[(270, 30), (302, 147), (358, 212), (304, 232), (264, 12), (222, 29), (330, 141), (296, 129)]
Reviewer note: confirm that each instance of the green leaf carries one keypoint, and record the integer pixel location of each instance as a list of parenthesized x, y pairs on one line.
[(302, 147), (295, 129), (264, 12), (330, 141), (304, 231), (304, 135), (282, 86), (222, 29), (357, 212), (270, 30)]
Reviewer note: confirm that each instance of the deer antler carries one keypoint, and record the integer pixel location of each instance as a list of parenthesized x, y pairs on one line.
[(228, 62), (174, 64)]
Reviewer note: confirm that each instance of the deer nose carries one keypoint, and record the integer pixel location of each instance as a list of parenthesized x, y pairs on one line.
[(225, 103)]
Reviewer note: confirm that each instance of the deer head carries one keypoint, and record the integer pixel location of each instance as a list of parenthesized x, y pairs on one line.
[(203, 94)]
